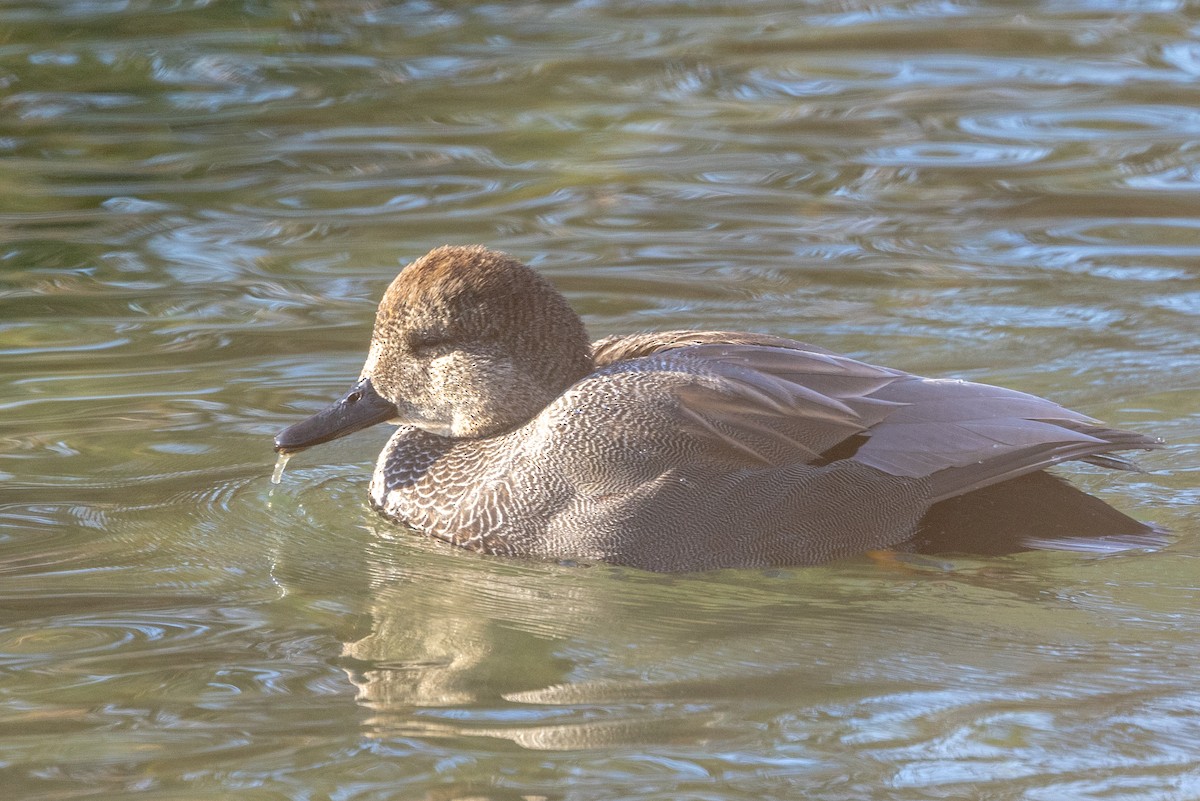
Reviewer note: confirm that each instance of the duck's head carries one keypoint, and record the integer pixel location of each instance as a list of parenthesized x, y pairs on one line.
[(468, 342)]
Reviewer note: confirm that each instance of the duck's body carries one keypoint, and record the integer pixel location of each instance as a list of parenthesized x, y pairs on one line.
[(684, 450)]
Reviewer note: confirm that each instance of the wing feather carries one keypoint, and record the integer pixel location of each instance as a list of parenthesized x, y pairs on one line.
[(781, 404), (778, 400)]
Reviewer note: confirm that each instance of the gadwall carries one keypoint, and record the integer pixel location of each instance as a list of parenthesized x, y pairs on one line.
[(690, 450)]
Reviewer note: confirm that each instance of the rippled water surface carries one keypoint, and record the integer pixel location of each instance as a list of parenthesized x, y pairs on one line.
[(200, 203)]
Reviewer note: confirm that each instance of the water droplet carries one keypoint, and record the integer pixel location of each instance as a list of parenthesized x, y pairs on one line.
[(280, 463)]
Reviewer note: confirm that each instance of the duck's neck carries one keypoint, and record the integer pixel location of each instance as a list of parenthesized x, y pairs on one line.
[(487, 398)]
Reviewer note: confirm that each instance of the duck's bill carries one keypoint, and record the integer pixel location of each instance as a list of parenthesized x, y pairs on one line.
[(360, 408)]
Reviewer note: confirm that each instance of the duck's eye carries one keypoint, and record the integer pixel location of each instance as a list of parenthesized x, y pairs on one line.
[(427, 341)]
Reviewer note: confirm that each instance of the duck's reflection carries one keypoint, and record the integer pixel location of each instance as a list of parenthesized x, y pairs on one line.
[(459, 645), (454, 645)]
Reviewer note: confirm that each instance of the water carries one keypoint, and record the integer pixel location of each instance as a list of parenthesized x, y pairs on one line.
[(200, 204), (280, 465)]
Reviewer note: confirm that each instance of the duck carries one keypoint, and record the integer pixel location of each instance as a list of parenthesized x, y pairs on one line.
[(686, 450)]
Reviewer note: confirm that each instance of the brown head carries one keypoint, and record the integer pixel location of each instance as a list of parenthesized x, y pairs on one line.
[(468, 342)]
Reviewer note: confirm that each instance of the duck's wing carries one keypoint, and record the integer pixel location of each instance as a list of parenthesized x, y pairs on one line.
[(783, 402), (966, 436), (632, 346), (778, 405)]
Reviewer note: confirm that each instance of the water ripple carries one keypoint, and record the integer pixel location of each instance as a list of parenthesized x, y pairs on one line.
[(974, 155), (1126, 122), (85, 638)]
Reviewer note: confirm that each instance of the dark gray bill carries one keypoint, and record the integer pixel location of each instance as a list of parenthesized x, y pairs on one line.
[(360, 408)]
